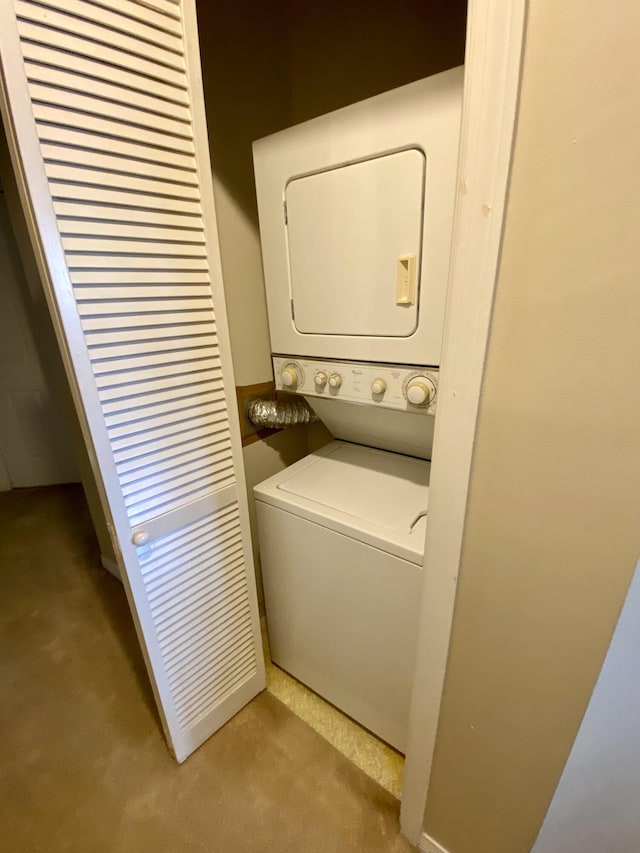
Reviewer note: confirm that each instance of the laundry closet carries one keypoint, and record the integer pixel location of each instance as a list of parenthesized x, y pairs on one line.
[(133, 238), (355, 252)]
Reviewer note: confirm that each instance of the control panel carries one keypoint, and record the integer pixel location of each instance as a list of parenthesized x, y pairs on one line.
[(411, 389)]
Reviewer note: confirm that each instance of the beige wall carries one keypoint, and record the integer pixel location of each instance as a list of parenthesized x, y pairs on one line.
[(553, 527), (342, 52), (244, 66)]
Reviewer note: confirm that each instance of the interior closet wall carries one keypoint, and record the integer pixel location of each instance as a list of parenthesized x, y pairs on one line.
[(341, 53), (552, 527), (245, 75)]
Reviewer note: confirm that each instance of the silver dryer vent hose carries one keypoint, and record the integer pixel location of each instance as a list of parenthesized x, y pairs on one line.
[(275, 414)]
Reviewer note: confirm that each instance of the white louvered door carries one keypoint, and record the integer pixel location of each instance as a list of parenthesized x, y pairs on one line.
[(103, 105)]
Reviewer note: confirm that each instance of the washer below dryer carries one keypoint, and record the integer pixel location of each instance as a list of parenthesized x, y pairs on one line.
[(342, 542)]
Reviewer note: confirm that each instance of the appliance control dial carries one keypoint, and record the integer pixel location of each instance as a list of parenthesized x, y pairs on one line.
[(378, 386), (320, 379), (290, 375), (335, 380), (420, 390)]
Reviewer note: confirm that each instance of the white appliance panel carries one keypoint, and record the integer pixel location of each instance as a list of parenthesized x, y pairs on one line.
[(399, 432), (329, 487), (342, 618), (306, 178), (367, 403), (386, 489), (354, 382), (349, 230)]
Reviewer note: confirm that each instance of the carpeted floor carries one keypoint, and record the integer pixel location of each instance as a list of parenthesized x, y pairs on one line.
[(83, 763)]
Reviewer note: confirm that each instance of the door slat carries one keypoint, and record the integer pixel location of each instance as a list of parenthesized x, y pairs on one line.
[(78, 36), (90, 70), (145, 31)]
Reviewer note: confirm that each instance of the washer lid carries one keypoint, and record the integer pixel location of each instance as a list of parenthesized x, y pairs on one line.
[(375, 496)]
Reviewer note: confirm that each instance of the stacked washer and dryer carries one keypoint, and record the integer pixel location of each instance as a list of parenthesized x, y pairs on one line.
[(356, 212)]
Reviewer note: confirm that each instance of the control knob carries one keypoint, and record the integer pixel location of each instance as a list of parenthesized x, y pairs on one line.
[(378, 386), (420, 390), (289, 376), (335, 380), (320, 379)]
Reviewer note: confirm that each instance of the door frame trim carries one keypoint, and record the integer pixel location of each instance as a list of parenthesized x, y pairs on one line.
[(495, 42)]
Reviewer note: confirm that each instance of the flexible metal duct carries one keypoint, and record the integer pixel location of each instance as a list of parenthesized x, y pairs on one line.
[(276, 414)]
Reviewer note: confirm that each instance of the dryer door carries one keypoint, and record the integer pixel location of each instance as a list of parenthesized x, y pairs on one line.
[(355, 239), (356, 213)]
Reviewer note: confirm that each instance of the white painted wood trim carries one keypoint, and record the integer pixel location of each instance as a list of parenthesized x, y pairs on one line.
[(495, 36), (111, 566), (430, 845)]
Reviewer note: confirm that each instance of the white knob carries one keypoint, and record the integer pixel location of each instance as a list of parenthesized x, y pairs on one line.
[(289, 376), (320, 379), (335, 380), (140, 537), (378, 386), (420, 390)]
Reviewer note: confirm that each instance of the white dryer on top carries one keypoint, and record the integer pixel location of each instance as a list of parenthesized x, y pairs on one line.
[(356, 211)]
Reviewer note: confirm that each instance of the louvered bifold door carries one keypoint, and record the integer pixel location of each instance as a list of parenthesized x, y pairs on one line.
[(103, 106)]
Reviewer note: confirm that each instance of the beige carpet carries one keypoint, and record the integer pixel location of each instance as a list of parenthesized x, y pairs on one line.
[(83, 764)]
